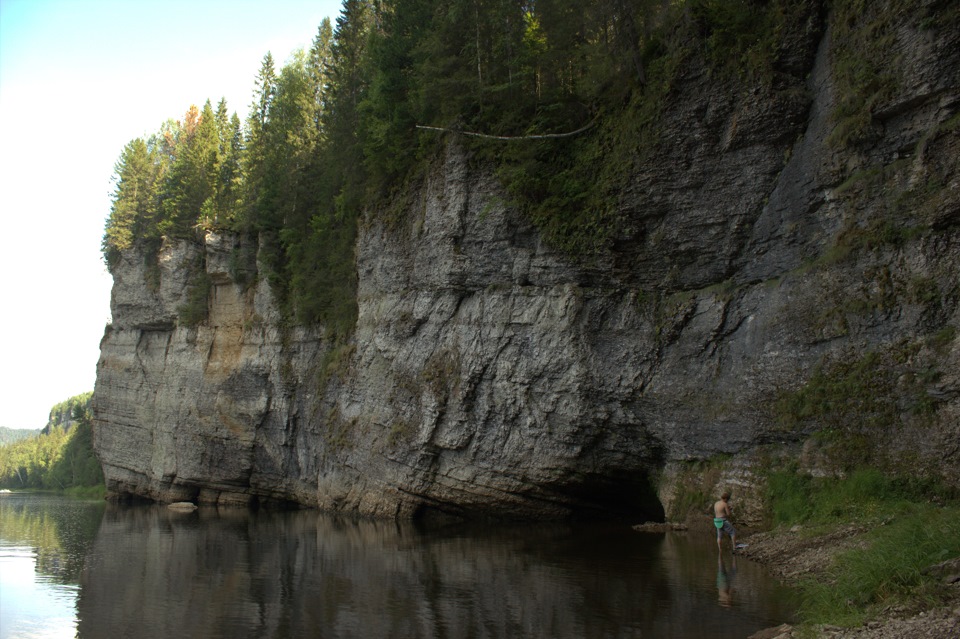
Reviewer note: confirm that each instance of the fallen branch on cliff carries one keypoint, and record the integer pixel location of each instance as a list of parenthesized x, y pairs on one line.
[(487, 136)]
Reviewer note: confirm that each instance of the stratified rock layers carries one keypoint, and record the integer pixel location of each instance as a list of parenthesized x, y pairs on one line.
[(489, 374)]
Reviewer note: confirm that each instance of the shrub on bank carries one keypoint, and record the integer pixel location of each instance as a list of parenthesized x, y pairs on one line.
[(915, 525)]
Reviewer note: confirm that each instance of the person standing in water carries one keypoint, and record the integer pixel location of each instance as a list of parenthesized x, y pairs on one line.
[(721, 519)]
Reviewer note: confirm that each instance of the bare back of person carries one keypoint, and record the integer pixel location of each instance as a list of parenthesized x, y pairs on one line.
[(721, 510)]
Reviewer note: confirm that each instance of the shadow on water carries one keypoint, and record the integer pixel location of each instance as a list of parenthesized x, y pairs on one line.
[(240, 574), (152, 572)]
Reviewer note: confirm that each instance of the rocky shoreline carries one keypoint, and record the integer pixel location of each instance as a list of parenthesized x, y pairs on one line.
[(792, 555)]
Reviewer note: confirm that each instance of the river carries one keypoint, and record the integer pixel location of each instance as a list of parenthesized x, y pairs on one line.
[(74, 568)]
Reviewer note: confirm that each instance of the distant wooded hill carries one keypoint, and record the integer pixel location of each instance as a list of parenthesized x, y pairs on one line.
[(60, 456), (11, 435)]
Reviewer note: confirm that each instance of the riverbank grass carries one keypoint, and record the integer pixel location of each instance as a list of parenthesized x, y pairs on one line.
[(912, 526), (889, 571)]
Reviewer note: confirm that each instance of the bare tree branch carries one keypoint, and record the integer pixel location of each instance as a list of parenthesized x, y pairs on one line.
[(544, 136)]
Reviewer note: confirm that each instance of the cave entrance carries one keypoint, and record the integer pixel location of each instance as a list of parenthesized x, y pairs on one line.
[(625, 495)]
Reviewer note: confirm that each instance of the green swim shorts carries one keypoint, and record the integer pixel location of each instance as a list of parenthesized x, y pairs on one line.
[(724, 526)]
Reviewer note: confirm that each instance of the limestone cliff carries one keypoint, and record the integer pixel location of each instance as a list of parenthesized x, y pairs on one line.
[(766, 283)]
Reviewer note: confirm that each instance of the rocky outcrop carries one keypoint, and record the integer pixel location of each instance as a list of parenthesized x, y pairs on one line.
[(489, 374), (68, 413), (207, 413)]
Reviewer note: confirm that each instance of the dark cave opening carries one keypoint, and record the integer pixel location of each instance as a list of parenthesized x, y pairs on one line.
[(619, 495), (626, 496)]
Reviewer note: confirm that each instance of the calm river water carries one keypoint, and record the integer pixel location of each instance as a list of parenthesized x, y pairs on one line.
[(71, 568)]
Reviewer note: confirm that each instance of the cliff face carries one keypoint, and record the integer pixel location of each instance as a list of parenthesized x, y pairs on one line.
[(65, 415), (766, 283)]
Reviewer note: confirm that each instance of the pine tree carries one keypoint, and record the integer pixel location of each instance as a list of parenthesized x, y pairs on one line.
[(390, 107), (319, 62), (134, 209), (263, 93), (206, 156), (288, 142), (255, 145), (224, 203), (319, 232), (190, 185), (348, 83)]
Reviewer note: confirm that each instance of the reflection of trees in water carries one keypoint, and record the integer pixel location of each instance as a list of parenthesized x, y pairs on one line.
[(239, 574), (59, 530)]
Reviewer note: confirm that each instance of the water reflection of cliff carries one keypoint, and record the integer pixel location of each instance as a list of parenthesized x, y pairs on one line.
[(59, 531), (155, 573)]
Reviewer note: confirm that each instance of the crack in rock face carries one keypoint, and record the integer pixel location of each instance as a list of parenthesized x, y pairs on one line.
[(490, 375)]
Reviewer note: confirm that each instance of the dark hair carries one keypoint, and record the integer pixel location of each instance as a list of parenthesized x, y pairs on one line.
[(725, 496)]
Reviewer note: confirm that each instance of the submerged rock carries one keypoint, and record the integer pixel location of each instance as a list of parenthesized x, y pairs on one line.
[(182, 505), (659, 528)]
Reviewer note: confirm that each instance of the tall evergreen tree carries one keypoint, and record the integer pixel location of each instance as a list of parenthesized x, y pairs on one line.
[(206, 158), (288, 140), (133, 212), (319, 237), (255, 144), (389, 109), (193, 173), (348, 83), (228, 183), (319, 62), (263, 94)]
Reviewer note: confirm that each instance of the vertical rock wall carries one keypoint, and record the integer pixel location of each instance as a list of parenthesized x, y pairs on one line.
[(490, 374)]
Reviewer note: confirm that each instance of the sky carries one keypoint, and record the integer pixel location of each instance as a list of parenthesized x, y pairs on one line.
[(79, 79)]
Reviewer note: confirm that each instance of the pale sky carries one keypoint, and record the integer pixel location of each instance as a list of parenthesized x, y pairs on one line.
[(78, 80)]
